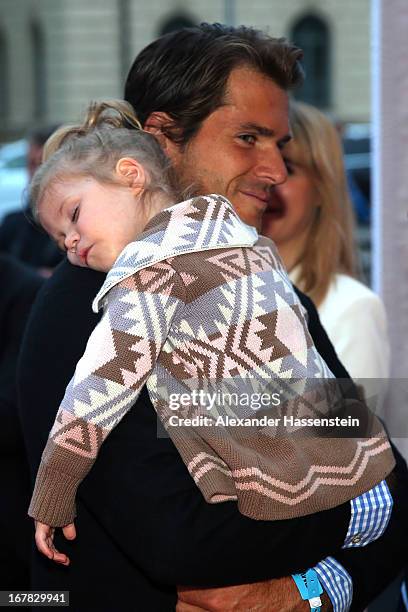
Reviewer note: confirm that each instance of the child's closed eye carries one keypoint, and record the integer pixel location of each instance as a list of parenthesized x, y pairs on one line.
[(75, 214)]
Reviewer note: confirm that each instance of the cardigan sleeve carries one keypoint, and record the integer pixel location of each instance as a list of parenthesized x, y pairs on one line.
[(120, 356)]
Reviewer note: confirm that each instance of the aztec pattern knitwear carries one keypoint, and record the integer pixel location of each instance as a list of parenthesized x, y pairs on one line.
[(200, 302)]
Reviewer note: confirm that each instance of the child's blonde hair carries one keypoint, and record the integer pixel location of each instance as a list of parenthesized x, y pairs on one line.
[(109, 132)]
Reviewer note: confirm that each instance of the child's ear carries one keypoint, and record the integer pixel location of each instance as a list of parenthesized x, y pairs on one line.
[(132, 172)]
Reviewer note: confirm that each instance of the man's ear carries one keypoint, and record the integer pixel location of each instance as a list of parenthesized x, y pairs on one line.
[(155, 124), (131, 172)]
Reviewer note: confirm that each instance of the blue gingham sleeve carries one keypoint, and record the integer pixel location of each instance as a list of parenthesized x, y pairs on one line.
[(370, 514), (336, 582)]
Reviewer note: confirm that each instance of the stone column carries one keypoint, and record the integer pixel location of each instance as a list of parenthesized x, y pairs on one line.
[(390, 196)]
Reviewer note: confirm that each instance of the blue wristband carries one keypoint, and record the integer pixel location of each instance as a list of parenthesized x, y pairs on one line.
[(309, 588)]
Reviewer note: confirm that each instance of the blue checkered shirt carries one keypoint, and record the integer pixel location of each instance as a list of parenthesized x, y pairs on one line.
[(370, 514)]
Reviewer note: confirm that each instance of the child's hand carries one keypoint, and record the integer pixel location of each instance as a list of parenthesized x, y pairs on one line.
[(44, 538)]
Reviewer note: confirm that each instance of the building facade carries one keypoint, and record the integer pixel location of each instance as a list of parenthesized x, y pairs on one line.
[(57, 55)]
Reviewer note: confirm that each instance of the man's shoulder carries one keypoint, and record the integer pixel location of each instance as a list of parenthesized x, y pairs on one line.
[(69, 292), (17, 216), (19, 282), (11, 225), (66, 276), (306, 302)]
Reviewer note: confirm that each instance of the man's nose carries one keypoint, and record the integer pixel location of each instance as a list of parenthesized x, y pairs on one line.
[(271, 167)]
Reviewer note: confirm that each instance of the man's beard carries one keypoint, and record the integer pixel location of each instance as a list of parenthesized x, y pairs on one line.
[(185, 189)]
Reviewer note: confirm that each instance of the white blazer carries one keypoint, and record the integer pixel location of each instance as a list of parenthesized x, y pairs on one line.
[(355, 321)]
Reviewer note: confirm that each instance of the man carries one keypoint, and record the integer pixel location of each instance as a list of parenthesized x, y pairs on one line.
[(223, 125)]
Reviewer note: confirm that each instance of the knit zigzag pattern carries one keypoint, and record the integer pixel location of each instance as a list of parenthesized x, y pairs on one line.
[(201, 305)]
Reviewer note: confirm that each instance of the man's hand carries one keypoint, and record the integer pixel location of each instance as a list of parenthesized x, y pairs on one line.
[(44, 539), (279, 595)]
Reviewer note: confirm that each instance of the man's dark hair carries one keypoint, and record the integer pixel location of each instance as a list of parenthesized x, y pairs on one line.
[(184, 73)]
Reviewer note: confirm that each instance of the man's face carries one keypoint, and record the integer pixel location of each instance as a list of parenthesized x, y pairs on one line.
[(237, 151)]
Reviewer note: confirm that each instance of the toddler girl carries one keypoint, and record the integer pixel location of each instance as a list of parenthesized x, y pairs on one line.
[(199, 308)]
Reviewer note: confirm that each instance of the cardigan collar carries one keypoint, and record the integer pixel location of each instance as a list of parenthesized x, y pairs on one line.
[(199, 224)]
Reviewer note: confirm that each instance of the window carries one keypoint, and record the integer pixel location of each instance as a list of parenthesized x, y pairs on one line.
[(312, 35)]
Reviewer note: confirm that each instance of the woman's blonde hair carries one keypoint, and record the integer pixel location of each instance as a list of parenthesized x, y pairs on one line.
[(329, 248), (109, 132)]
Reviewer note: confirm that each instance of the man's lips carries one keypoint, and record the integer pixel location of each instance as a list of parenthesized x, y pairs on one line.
[(262, 198)]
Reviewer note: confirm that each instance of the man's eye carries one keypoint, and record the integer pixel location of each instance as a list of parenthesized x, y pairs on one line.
[(75, 214), (248, 138)]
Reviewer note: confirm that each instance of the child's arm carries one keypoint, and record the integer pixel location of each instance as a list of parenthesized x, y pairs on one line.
[(120, 355)]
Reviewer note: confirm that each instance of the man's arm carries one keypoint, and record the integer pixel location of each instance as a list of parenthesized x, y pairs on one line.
[(281, 594), (374, 566), (352, 579)]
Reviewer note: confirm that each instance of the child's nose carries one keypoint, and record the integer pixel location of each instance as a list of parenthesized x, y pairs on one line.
[(71, 242)]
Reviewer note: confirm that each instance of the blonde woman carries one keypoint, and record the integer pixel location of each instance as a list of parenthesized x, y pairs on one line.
[(310, 218)]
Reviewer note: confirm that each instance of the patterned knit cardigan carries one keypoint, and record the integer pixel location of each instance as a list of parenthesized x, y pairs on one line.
[(200, 302)]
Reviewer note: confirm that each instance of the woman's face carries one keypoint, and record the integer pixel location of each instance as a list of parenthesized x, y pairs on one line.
[(292, 207)]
